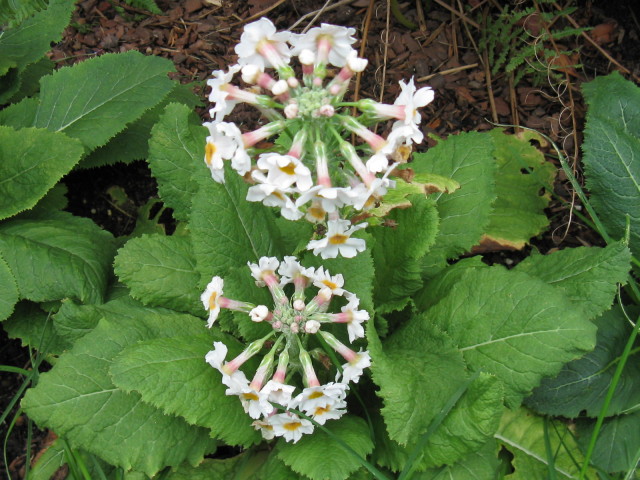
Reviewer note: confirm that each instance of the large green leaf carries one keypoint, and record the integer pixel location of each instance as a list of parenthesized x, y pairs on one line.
[(612, 154), (398, 253), (34, 327), (512, 325), (31, 162), (523, 172), (61, 256), (160, 271), (8, 290), (95, 99), (588, 275), (523, 434), (310, 454), (228, 231), (30, 40), (133, 142), (171, 374), (418, 369), (176, 148), (78, 400), (618, 442), (581, 385), (479, 465), (467, 158)]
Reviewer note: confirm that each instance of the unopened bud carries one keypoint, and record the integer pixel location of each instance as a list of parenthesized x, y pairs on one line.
[(326, 111), (293, 82), (280, 87), (307, 57), (312, 326), (291, 110), (259, 313), (294, 328), (356, 64), (298, 305), (250, 73)]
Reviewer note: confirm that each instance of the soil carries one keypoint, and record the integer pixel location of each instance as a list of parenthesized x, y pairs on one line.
[(442, 51)]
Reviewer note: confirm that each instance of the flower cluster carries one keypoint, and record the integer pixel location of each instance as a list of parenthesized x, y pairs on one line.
[(269, 396), (312, 171)]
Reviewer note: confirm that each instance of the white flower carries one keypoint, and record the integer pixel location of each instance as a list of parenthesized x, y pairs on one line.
[(237, 380), (272, 196), (312, 397), (218, 96), (266, 429), (353, 370), (210, 299), (285, 170), (339, 41), (363, 197), (330, 198), (262, 46), (220, 146), (412, 100), (329, 411), (253, 403), (356, 317), (312, 326), (338, 240), (290, 269), (323, 279), (399, 134), (265, 266), (290, 426), (277, 392)]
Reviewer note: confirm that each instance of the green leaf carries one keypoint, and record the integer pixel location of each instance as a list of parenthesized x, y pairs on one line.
[(30, 78), (309, 455), (512, 325), (523, 172), (176, 148), (29, 41), (8, 290), (34, 327), (228, 231), (398, 251), (240, 467), (479, 465), (588, 275), (133, 142), (523, 434), (171, 374), (62, 256), (21, 114), (78, 400), (618, 442), (95, 99), (582, 385), (31, 163), (612, 154), (160, 271), (467, 158)]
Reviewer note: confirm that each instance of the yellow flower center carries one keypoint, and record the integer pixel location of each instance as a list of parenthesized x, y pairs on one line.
[(338, 239), (292, 426), (250, 396), (316, 394), (330, 284), (317, 212), (289, 169), (209, 152), (322, 410), (212, 301)]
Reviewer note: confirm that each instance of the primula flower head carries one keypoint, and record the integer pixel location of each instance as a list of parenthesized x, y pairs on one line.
[(294, 321), (312, 171)]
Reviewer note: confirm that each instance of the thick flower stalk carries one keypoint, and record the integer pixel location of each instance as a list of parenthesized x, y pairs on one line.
[(312, 171), (299, 328)]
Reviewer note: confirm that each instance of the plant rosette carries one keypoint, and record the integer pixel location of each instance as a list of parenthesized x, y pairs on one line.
[(294, 322), (312, 171)]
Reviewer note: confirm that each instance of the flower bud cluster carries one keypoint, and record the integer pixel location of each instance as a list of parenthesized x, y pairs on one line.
[(313, 171), (294, 321)]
